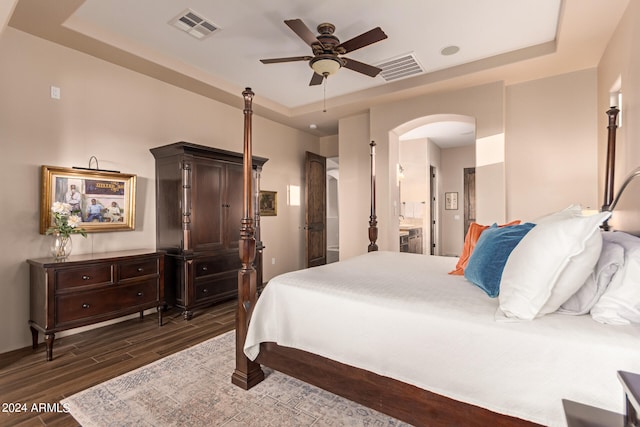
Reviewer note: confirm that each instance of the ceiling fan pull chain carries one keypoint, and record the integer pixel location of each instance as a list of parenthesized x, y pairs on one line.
[(324, 101)]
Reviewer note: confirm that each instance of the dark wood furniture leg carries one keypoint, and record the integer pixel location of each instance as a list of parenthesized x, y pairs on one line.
[(48, 339), (34, 337)]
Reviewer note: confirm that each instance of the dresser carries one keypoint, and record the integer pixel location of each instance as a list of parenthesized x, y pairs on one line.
[(91, 288), (199, 207)]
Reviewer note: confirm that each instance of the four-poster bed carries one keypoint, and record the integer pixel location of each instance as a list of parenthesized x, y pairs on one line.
[(403, 337)]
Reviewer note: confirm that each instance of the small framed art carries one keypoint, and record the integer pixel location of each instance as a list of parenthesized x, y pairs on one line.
[(451, 201), (268, 203)]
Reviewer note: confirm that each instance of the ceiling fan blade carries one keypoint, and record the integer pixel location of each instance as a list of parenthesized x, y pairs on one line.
[(316, 79), (364, 39), (361, 67), (290, 59), (302, 31)]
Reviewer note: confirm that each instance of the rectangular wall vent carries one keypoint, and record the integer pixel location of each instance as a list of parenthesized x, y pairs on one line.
[(194, 24), (400, 67)]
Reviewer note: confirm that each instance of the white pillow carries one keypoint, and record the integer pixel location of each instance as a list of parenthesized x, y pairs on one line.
[(550, 263), (620, 303), (610, 261), (570, 212)]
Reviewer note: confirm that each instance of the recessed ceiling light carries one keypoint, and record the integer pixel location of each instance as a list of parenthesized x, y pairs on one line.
[(313, 126), (450, 50)]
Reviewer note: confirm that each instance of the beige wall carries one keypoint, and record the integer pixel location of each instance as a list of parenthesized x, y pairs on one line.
[(353, 186), (329, 146), (491, 199), (6, 10), (551, 144), (116, 115), (454, 160)]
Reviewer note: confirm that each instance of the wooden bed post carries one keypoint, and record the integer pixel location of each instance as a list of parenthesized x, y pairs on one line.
[(247, 373), (373, 221), (611, 163)]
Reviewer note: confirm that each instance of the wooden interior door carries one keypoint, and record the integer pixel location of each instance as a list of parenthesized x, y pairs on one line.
[(469, 198), (316, 209)]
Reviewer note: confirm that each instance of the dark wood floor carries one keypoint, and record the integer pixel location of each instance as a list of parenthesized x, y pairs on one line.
[(89, 358)]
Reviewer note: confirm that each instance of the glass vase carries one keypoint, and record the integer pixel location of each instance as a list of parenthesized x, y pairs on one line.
[(60, 246)]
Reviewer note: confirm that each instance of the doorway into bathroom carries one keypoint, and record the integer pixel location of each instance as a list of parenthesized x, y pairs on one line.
[(333, 211)]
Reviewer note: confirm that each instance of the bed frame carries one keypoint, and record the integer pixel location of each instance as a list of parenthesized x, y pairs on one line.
[(395, 398)]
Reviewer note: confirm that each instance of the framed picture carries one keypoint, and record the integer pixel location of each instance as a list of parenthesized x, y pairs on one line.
[(105, 201), (268, 203), (451, 201)]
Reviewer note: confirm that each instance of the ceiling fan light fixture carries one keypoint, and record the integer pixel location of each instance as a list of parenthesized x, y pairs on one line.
[(325, 65)]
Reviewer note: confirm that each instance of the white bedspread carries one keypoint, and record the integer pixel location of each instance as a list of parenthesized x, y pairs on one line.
[(401, 315)]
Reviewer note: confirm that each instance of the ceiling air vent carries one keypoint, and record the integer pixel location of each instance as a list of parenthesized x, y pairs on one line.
[(400, 67), (194, 24)]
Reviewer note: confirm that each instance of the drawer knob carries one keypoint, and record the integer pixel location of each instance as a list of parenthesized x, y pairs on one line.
[(140, 269), (140, 294), (85, 277), (205, 268), (205, 290), (85, 305)]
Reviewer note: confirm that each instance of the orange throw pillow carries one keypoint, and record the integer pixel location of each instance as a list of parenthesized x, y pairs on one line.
[(470, 240)]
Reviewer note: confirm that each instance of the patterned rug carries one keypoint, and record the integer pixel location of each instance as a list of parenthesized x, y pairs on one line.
[(193, 388)]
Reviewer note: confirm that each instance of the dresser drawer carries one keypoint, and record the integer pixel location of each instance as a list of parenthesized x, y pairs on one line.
[(89, 275), (219, 288), (83, 305), (217, 264), (133, 269)]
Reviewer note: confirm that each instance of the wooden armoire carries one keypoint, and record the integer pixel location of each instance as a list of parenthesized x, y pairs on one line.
[(199, 207)]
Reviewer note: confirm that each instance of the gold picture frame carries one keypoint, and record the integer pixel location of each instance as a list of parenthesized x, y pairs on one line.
[(104, 200), (268, 203)]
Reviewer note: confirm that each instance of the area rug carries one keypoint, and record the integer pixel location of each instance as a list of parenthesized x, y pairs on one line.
[(193, 388)]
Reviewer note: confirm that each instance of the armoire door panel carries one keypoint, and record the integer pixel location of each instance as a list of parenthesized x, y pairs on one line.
[(208, 205)]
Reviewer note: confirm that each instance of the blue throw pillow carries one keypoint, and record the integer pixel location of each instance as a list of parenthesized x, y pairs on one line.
[(490, 255)]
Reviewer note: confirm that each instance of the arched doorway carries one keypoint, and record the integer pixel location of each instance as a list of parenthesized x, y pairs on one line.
[(434, 192)]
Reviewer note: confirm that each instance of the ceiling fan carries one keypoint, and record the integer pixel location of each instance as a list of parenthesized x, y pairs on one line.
[(326, 50)]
